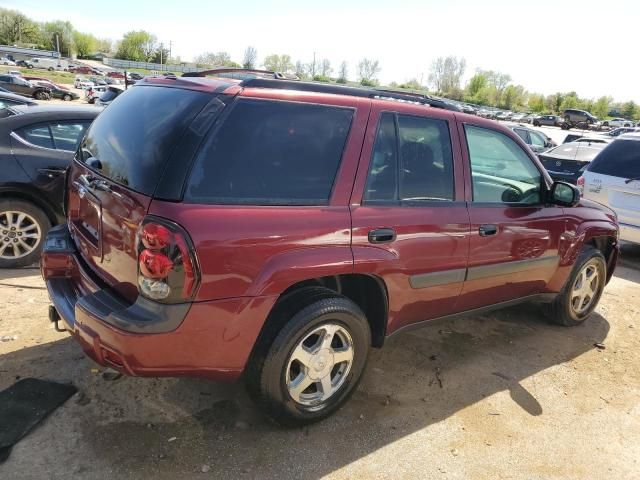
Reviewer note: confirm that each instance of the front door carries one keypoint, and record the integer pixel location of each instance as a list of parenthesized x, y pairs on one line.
[(409, 218), (514, 234)]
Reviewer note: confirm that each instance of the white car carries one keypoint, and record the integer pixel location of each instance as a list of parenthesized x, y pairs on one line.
[(91, 94), (618, 122), (7, 61), (83, 83), (613, 179)]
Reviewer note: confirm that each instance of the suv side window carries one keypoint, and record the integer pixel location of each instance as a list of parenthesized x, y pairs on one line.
[(523, 135), (270, 152), (412, 161), (537, 140), (501, 171)]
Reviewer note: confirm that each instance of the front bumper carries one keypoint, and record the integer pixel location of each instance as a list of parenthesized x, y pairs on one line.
[(205, 339)]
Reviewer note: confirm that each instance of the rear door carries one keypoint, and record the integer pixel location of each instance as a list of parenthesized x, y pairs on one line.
[(410, 221), (120, 163), (515, 236)]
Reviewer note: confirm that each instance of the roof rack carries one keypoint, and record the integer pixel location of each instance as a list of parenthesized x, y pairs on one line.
[(241, 73), (378, 93)]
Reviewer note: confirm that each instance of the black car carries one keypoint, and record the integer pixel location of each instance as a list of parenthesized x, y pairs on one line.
[(8, 99), (537, 141), (566, 162), (37, 144), (19, 85)]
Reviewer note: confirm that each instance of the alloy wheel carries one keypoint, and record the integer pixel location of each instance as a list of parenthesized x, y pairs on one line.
[(585, 288), (20, 234), (319, 365)]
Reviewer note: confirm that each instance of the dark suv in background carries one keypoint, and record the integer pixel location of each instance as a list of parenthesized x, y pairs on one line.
[(19, 85), (279, 229), (578, 118)]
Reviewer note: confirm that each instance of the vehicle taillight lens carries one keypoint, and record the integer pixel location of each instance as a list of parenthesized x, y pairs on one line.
[(167, 269), (580, 184)]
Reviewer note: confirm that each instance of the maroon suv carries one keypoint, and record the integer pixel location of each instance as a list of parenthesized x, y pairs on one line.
[(279, 229)]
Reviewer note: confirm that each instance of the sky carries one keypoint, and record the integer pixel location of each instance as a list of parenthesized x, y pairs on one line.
[(589, 47)]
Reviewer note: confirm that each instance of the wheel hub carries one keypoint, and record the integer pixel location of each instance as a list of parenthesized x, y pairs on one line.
[(321, 364)]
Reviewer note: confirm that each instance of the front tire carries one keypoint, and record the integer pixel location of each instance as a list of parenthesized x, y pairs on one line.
[(311, 357), (67, 98), (23, 228), (580, 295)]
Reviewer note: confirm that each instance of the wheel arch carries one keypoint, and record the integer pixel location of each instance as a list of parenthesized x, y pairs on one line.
[(27, 196)]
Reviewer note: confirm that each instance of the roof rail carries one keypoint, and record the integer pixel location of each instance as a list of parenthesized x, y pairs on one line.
[(382, 94), (241, 73)]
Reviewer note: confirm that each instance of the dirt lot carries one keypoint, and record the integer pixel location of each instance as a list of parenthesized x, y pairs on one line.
[(504, 395)]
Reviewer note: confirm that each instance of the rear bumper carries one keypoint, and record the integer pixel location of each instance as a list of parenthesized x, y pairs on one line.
[(205, 339)]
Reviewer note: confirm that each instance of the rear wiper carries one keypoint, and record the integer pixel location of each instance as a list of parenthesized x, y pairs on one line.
[(629, 180)]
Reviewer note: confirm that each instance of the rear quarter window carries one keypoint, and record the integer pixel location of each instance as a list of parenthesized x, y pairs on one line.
[(271, 153), (621, 158)]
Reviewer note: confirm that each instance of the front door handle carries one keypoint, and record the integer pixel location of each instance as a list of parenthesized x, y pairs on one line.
[(487, 230), (382, 235)]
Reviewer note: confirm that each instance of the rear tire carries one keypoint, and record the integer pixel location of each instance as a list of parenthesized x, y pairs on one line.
[(23, 228), (310, 357), (580, 295)]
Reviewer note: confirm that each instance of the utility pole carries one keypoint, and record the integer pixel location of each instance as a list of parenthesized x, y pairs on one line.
[(170, 45), (313, 68), (161, 48), (58, 45)]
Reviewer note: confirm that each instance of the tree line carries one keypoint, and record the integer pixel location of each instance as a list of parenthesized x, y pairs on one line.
[(485, 88)]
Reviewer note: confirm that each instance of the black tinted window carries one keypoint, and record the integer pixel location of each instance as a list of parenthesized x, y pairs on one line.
[(426, 162), (37, 135), (272, 153), (134, 137), (619, 159), (522, 134), (382, 183)]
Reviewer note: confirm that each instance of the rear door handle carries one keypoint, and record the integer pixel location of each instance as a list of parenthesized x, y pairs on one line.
[(487, 230), (51, 172), (382, 235)]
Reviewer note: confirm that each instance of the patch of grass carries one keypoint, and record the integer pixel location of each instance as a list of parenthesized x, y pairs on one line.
[(55, 76)]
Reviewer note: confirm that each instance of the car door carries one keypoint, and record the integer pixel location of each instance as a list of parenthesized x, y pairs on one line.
[(537, 142), (21, 86), (410, 224), (45, 150), (515, 236)]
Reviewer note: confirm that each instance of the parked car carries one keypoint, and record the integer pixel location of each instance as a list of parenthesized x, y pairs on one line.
[(577, 118), (24, 63), (116, 75), (81, 82), (58, 91), (81, 69), (23, 87), (8, 99), (537, 141), (91, 94), (548, 120), (97, 80), (567, 161), (518, 117), (110, 94), (37, 144), (503, 116), (7, 61), (620, 130), (270, 234), (618, 122), (613, 179), (134, 76)]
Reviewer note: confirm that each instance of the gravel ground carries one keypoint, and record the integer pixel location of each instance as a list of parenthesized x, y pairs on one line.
[(503, 395)]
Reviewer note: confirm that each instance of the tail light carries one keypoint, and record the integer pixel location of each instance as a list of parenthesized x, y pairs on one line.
[(167, 267), (580, 184)]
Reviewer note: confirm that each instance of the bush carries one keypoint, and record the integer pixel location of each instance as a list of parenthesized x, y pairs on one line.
[(341, 80), (368, 83), (321, 78)]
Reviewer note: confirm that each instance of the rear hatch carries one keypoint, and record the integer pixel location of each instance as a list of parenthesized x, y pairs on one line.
[(569, 158), (117, 170), (613, 179)]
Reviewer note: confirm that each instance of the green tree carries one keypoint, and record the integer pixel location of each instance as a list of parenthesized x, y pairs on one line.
[(554, 102), (513, 97), (278, 63), (85, 44), (475, 84), (218, 59), (536, 102), (630, 110), (250, 59), (601, 107), (368, 70), (342, 73), (139, 46), (446, 73), (17, 29), (58, 33)]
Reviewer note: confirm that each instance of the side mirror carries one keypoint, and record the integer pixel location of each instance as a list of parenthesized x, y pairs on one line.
[(564, 194)]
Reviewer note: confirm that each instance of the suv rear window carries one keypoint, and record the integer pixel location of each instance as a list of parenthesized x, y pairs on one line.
[(133, 138), (619, 159), (271, 153)]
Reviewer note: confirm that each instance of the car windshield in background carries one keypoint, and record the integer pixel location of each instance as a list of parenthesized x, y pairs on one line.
[(620, 159), (133, 138)]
